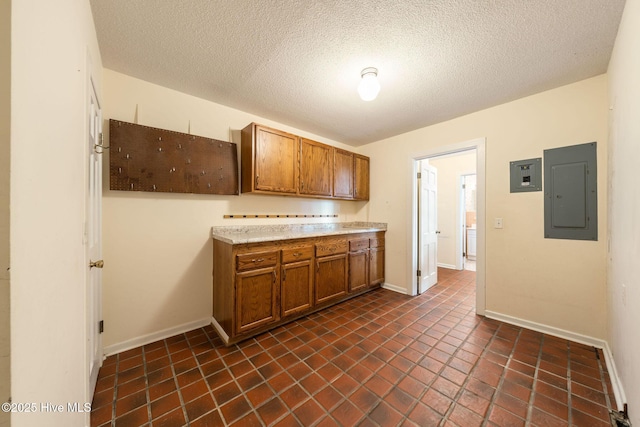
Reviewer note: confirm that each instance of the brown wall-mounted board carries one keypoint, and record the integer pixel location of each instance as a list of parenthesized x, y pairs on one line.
[(143, 158)]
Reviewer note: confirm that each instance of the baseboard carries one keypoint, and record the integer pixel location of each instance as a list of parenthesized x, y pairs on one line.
[(618, 392), (394, 288), (616, 384), (220, 330), (449, 266), (153, 337)]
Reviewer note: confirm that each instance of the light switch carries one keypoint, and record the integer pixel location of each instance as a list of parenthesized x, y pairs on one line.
[(497, 223)]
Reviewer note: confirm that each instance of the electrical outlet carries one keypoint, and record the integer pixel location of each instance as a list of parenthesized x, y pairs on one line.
[(497, 223)]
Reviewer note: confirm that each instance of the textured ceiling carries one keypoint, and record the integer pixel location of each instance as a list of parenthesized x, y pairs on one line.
[(298, 62)]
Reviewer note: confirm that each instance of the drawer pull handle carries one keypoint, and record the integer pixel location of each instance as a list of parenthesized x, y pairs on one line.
[(257, 260), (297, 254)]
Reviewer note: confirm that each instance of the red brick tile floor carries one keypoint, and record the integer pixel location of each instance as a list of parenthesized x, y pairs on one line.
[(381, 359)]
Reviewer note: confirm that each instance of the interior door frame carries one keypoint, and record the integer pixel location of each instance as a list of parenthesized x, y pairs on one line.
[(478, 144)]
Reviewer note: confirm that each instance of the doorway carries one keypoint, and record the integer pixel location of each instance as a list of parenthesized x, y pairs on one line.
[(93, 238), (456, 229), (468, 209)]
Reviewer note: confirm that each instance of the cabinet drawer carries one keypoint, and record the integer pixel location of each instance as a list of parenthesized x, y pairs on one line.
[(377, 242), (256, 260), (331, 247), (359, 244), (297, 254)]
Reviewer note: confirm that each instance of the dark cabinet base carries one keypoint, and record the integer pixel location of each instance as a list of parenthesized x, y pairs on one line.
[(260, 286)]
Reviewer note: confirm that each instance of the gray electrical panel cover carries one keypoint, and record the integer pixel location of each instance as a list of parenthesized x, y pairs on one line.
[(526, 175), (570, 194)]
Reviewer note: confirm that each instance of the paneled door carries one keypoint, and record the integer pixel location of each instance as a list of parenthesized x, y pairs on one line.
[(93, 238), (428, 219)]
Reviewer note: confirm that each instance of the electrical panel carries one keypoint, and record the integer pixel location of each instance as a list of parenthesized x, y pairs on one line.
[(571, 195), (526, 175)]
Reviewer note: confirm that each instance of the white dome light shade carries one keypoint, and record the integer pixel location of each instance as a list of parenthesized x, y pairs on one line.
[(369, 85)]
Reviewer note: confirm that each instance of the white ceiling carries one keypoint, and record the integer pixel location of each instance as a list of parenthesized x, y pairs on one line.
[(298, 62)]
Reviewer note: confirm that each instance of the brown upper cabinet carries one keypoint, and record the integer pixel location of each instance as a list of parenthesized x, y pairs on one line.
[(276, 162), (316, 171), (361, 177), (343, 174), (269, 160)]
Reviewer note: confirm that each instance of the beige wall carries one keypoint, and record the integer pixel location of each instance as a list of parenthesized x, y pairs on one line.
[(624, 206), (157, 250), (450, 169), (5, 124), (50, 46), (556, 283)]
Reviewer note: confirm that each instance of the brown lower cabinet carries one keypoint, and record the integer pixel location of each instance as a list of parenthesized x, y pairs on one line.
[(259, 286), (256, 298), (296, 294)]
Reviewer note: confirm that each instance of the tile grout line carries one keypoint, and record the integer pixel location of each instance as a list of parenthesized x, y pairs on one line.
[(535, 382), (115, 391), (569, 400), (175, 380), (146, 385), (498, 387)]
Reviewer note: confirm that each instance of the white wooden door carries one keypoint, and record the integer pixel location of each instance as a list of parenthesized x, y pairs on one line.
[(428, 226), (93, 236)]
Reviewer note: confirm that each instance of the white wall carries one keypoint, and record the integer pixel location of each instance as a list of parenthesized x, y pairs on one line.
[(5, 124), (157, 246), (50, 45), (450, 168), (557, 283), (624, 206)]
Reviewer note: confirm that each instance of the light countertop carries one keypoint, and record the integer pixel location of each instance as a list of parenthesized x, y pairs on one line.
[(266, 233)]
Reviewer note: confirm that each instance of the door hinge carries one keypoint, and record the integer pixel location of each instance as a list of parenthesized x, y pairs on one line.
[(419, 273), (419, 175), (101, 326)]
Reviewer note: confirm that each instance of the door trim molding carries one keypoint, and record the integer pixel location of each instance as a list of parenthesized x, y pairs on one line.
[(478, 144)]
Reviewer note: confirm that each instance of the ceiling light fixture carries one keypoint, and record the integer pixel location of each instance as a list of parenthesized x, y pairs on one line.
[(369, 85)]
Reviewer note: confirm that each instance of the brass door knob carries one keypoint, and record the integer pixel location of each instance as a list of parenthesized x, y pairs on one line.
[(98, 264)]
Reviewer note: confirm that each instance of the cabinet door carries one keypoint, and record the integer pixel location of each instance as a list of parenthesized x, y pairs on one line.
[(256, 296), (361, 177), (471, 243), (296, 290), (331, 278), (316, 171), (343, 174), (358, 270), (376, 266), (276, 161)]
